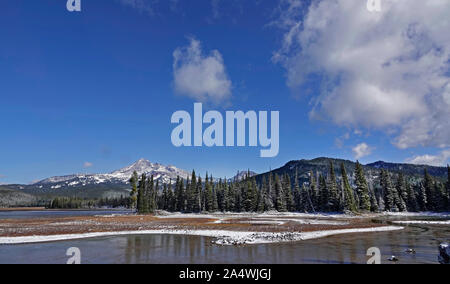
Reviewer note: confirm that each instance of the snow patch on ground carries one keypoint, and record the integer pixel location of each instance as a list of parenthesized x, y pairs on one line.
[(221, 237), (422, 222), (420, 214)]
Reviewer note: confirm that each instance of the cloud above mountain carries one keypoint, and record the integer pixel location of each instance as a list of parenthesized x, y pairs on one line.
[(200, 76), (362, 150), (439, 160), (385, 70)]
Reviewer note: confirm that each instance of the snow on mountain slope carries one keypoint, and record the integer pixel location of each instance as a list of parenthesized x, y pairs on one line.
[(164, 174)]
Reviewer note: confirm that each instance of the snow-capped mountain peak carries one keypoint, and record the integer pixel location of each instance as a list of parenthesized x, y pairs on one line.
[(164, 174), (143, 166)]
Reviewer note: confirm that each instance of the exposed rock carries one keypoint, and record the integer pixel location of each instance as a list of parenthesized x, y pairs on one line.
[(393, 258), (444, 253)]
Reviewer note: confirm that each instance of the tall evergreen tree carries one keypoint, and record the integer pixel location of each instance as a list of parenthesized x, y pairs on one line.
[(280, 204), (298, 197), (362, 188), (141, 195), (313, 193), (323, 194), (288, 196), (191, 197), (411, 203), (208, 195), (349, 200), (180, 194), (215, 190), (423, 199), (447, 188), (266, 195), (428, 183), (134, 189), (165, 198), (374, 207), (401, 194), (332, 187), (389, 193), (439, 196)]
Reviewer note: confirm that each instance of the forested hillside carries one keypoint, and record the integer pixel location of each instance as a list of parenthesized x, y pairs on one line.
[(333, 186)]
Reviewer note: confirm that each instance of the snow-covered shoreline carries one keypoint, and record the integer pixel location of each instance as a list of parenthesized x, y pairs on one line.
[(221, 237)]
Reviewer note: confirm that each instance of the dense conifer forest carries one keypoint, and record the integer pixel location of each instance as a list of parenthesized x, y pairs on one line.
[(330, 192)]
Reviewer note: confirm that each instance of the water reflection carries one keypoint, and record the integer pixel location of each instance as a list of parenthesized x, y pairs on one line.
[(160, 249)]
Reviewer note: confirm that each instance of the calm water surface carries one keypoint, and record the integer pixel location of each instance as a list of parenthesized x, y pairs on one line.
[(57, 213), (159, 249)]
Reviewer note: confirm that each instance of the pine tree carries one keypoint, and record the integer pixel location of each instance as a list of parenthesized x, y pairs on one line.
[(287, 190), (423, 199), (197, 196), (171, 198), (266, 195), (134, 190), (141, 195), (215, 196), (154, 194), (251, 195), (438, 196), (389, 193), (221, 196), (411, 199), (362, 188), (374, 207), (180, 194), (401, 194), (349, 200), (323, 194), (298, 197), (280, 204), (238, 189), (208, 195), (447, 188), (308, 205), (165, 198), (231, 206), (332, 187), (313, 193), (191, 197), (429, 190)]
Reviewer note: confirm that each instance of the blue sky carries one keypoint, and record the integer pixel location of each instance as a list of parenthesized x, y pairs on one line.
[(94, 91)]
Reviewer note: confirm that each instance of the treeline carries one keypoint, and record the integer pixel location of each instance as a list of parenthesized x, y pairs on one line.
[(323, 193), (80, 203)]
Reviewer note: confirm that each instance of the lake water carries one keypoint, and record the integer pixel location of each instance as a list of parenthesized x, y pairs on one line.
[(176, 249), (57, 213)]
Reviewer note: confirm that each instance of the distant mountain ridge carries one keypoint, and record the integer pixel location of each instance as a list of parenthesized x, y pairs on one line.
[(115, 184), (321, 166), (242, 175)]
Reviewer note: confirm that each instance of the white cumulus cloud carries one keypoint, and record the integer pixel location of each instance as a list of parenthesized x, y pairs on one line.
[(199, 76), (362, 150), (385, 70), (439, 160)]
